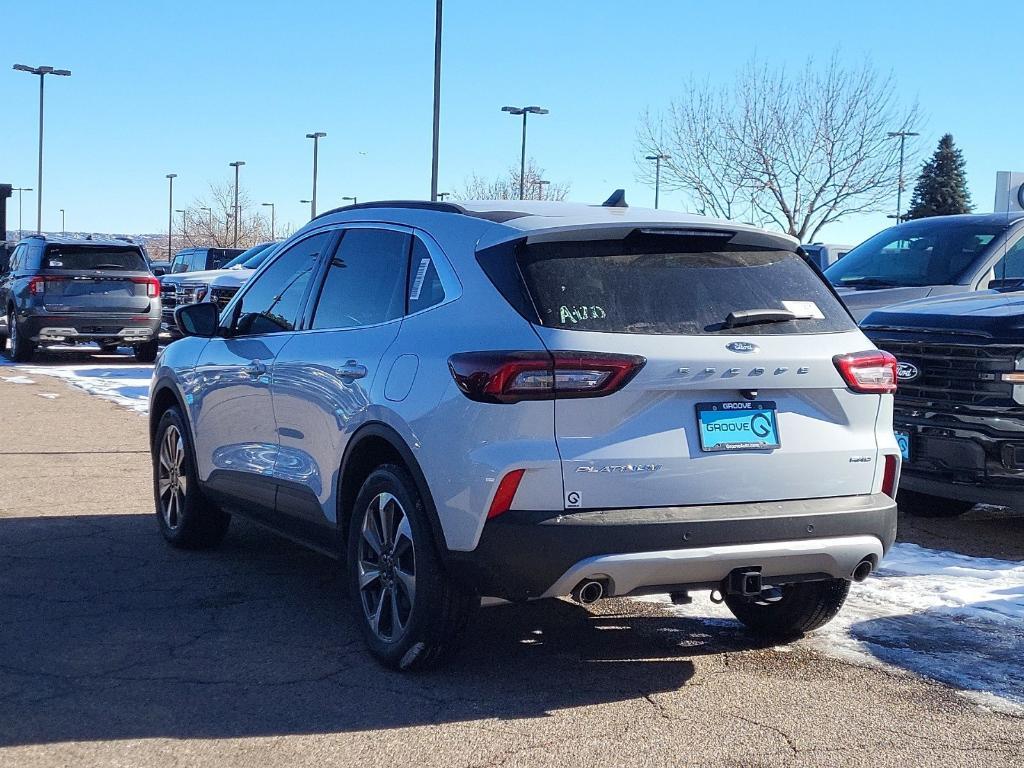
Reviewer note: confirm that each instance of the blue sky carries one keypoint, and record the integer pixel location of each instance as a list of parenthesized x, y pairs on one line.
[(187, 87)]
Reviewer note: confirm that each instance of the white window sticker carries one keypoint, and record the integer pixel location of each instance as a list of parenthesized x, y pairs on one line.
[(804, 310), (417, 283), (55, 263), (573, 500)]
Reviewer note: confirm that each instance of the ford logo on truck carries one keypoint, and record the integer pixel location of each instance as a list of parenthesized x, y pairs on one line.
[(906, 371)]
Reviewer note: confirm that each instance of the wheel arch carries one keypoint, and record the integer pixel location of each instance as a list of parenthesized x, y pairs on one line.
[(166, 396), (371, 446)]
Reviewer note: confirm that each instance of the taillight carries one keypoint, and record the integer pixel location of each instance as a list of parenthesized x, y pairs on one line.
[(37, 285), (873, 371), (889, 476), (152, 285), (502, 501), (508, 377)]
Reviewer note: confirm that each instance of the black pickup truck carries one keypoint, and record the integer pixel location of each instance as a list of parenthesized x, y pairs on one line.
[(959, 415)]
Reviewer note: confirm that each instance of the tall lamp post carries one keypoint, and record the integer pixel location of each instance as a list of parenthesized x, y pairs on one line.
[(19, 190), (541, 183), (355, 200), (209, 213), (524, 111), (236, 165), (442, 195), (902, 136), (42, 72), (273, 222), (170, 210), (63, 229), (316, 145), (437, 101), (657, 175), (184, 233)]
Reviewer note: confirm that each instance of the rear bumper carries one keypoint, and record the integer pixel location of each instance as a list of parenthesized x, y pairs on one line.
[(523, 555), (73, 326)]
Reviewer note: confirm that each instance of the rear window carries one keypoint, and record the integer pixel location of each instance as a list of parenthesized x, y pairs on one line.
[(689, 288), (73, 257)]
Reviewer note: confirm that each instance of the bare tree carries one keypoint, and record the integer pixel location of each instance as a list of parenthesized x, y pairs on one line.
[(799, 151), (209, 220), (506, 187)]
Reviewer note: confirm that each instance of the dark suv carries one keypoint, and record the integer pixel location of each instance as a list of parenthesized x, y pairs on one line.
[(59, 290), (197, 259)]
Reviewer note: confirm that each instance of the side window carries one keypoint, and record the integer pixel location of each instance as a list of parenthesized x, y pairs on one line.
[(1011, 266), (180, 263), (272, 303), (366, 281), (425, 289), (16, 258), (198, 261)]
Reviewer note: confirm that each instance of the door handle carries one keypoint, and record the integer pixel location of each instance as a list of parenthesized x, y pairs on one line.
[(350, 370), (255, 368)]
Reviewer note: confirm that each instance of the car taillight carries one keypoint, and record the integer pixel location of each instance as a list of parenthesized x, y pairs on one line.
[(509, 377), (502, 501), (889, 476), (37, 285), (873, 372), (151, 283)]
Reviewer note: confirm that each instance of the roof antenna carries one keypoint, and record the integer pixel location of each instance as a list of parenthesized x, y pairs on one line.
[(616, 200)]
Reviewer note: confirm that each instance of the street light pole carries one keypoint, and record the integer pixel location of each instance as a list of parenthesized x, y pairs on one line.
[(316, 145), (184, 233), (524, 111), (209, 212), (355, 200), (541, 183), (902, 135), (442, 195), (273, 221), (19, 190), (170, 210), (63, 229), (657, 175), (437, 101), (236, 165), (42, 72)]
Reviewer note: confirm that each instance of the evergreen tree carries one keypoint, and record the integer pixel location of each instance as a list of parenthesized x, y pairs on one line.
[(941, 188)]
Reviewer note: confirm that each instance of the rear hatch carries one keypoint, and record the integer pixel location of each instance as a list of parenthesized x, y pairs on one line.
[(739, 398), (98, 279)]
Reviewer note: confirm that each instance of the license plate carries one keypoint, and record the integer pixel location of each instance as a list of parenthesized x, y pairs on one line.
[(738, 426), (903, 441)]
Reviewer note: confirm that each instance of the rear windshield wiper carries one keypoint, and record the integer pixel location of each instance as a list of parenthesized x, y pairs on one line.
[(758, 317), (867, 282)]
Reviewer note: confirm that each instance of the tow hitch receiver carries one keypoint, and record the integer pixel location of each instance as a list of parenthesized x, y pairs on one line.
[(744, 581)]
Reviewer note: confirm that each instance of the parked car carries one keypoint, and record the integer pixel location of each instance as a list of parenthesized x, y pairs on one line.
[(959, 414), (826, 254), (59, 290), (932, 257), (160, 267), (197, 259), (208, 285), (535, 399)]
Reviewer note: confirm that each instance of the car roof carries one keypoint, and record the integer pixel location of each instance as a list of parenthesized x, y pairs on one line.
[(1006, 217), (120, 242)]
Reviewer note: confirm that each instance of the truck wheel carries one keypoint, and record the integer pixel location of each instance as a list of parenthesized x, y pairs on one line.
[(188, 520), (924, 505), (411, 613), (803, 607), (146, 352), (20, 348)]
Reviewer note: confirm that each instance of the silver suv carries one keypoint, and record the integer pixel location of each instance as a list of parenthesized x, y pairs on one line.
[(515, 401)]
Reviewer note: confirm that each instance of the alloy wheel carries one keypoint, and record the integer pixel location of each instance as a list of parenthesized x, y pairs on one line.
[(172, 480), (387, 567)]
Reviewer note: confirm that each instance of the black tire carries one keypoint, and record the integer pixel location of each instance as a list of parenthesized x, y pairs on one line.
[(20, 349), (804, 607), (146, 352), (436, 618), (924, 505), (193, 522)]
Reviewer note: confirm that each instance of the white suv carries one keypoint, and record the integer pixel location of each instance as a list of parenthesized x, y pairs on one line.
[(521, 400)]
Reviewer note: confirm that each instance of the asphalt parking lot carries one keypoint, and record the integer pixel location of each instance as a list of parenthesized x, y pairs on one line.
[(117, 650)]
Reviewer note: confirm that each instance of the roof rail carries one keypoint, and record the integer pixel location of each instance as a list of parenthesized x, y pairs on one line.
[(425, 205), (36, 236)]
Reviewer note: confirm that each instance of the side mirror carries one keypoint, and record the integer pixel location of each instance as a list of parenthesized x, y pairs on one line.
[(198, 319), (159, 271), (1006, 284)]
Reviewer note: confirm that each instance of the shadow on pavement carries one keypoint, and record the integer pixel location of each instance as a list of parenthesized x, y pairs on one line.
[(107, 633)]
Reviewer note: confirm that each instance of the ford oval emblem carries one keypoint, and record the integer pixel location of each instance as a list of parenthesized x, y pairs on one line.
[(742, 346), (906, 371)]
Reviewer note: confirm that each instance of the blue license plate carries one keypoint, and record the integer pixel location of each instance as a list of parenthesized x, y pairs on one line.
[(903, 441), (738, 426)]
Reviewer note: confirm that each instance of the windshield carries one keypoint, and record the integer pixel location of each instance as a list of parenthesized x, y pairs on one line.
[(94, 257), (684, 287), (244, 256), (254, 261), (925, 252)]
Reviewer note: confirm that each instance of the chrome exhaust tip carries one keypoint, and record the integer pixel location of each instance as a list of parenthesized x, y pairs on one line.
[(588, 592), (863, 570)]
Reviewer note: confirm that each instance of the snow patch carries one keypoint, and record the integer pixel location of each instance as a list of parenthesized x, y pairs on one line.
[(126, 385), (18, 379)]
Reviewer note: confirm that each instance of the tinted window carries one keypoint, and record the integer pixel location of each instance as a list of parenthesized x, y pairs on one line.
[(180, 263), (63, 257), (198, 261), (425, 289), (925, 252), (680, 285), (1012, 264), (366, 282), (273, 299)]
